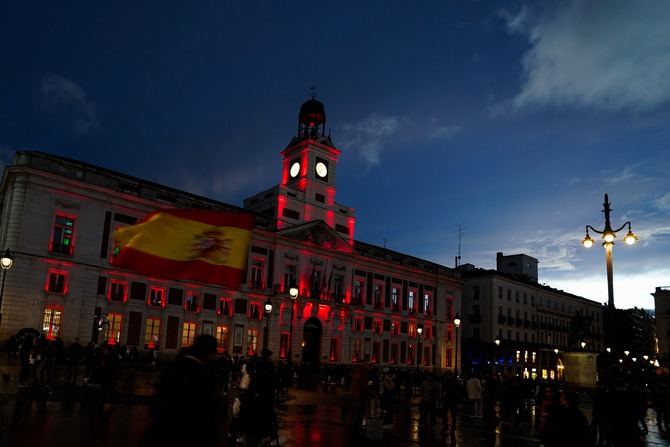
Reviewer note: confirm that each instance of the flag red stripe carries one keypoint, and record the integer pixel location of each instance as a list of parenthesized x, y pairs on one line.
[(215, 218), (196, 270)]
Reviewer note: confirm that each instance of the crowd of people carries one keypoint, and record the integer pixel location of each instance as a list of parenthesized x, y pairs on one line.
[(235, 397)]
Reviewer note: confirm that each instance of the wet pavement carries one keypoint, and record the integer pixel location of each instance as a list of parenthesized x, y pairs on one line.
[(314, 417)]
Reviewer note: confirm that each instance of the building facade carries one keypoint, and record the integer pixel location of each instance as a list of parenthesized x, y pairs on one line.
[(512, 324), (356, 301), (662, 317)]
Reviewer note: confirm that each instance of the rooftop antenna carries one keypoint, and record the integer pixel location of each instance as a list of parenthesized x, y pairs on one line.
[(458, 258), (313, 90), (385, 242)]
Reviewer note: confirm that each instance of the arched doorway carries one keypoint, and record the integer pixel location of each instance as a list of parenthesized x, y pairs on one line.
[(311, 349)]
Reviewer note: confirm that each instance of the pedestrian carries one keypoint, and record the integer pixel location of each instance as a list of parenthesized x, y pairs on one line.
[(388, 389), (358, 391), (428, 405), (185, 409), (452, 393), (549, 408), (24, 360), (474, 390), (74, 352), (570, 427)]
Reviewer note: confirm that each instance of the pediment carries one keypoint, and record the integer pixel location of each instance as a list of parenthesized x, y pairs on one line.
[(317, 233)]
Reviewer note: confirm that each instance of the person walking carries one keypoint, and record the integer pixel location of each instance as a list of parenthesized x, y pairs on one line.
[(184, 410), (388, 389), (74, 352), (358, 391), (428, 405), (474, 390), (452, 393)]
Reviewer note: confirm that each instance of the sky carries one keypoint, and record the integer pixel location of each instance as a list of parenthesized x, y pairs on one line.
[(510, 119)]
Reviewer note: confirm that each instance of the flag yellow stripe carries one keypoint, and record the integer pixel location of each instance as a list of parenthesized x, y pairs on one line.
[(179, 239)]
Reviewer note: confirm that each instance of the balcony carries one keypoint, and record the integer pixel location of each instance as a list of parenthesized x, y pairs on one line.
[(526, 323), (519, 322), (510, 321), (501, 319), (476, 318)]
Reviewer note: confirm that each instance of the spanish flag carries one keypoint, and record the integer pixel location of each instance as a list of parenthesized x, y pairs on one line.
[(204, 246)]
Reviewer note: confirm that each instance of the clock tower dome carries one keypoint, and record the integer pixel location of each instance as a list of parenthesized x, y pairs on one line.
[(307, 189)]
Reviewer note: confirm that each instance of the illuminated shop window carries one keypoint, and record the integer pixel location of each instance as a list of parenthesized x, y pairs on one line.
[(114, 324), (51, 321), (152, 333), (56, 282), (188, 333), (222, 338), (252, 340), (156, 297), (118, 291), (62, 241)]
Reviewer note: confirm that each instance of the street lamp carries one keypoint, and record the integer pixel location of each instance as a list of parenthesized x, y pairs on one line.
[(268, 311), (457, 324), (582, 344), (556, 351), (609, 350), (419, 331), (608, 235), (293, 295), (626, 352), (6, 262), (497, 341)]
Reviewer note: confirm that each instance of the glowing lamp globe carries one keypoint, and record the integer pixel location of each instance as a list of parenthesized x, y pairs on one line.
[(609, 237), (587, 242), (630, 238), (6, 260)]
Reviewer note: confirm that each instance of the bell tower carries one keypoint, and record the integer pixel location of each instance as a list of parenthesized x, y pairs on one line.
[(308, 183)]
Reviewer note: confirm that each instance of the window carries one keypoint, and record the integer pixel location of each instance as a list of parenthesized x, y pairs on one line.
[(334, 352), (138, 291), (516, 296), (255, 311), (252, 339), (395, 328), (375, 352), (256, 276), (225, 307), (315, 284), (356, 354), (450, 308), (394, 299), (152, 333), (358, 324), (62, 241), (156, 295), (500, 292), (377, 326), (411, 330), (192, 302), (394, 353), (102, 285), (377, 296), (338, 288), (176, 297), (426, 305), (357, 295), (475, 292), (222, 338), (114, 323), (289, 276), (283, 345), (56, 282), (509, 294), (410, 301), (525, 299), (209, 301), (118, 291), (51, 321), (188, 333)]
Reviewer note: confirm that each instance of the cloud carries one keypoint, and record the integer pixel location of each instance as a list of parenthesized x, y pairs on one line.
[(368, 135), (444, 132), (516, 22), (60, 94), (662, 202), (610, 55)]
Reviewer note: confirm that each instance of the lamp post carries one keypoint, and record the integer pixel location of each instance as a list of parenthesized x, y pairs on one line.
[(496, 358), (268, 311), (6, 262), (608, 235), (457, 324), (293, 295), (419, 331)]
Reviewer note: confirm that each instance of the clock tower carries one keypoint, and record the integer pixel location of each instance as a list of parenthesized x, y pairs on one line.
[(307, 189)]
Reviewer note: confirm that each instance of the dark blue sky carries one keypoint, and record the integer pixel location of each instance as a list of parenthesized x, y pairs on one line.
[(510, 118)]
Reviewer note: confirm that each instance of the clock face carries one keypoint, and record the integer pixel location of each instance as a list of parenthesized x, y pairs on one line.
[(295, 169), (321, 169)]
